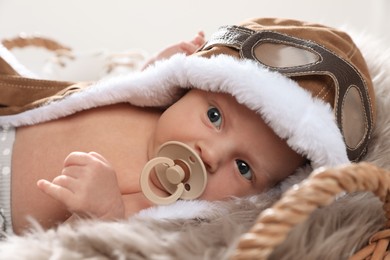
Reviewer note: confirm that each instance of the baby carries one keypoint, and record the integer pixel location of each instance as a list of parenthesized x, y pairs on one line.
[(250, 126), (105, 183)]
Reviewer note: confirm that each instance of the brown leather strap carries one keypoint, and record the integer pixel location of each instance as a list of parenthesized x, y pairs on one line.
[(232, 36), (19, 94), (5, 68)]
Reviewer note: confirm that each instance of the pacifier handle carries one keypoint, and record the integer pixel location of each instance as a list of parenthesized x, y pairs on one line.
[(180, 171), (145, 182)]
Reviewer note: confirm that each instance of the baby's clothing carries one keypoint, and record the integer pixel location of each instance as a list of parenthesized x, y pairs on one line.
[(7, 137)]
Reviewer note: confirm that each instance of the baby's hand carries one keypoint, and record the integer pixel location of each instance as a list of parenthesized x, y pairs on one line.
[(186, 47), (87, 186)]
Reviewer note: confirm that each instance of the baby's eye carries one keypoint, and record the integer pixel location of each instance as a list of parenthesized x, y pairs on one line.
[(214, 116), (244, 169)]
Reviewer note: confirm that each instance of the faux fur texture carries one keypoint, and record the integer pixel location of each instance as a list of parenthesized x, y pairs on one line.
[(333, 232)]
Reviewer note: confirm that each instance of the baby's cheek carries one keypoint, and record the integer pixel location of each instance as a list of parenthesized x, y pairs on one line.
[(216, 191), (284, 173), (225, 190)]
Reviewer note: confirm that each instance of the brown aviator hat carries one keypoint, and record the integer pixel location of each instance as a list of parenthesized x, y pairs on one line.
[(322, 60)]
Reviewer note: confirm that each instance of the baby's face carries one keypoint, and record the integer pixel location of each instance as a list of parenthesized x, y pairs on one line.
[(241, 153)]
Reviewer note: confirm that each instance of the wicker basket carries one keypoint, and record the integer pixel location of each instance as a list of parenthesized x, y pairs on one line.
[(99, 62), (22, 41), (320, 189)]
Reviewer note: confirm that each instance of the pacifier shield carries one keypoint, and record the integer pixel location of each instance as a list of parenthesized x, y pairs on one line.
[(195, 172), (180, 171)]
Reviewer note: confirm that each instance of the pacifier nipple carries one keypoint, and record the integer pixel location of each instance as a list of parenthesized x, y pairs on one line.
[(180, 171)]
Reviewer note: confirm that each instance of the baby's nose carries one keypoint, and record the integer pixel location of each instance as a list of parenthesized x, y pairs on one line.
[(209, 156)]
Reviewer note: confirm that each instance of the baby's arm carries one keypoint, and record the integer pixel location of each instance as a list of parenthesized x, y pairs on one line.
[(87, 187), (186, 47)]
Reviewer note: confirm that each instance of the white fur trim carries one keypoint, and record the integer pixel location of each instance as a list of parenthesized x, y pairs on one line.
[(306, 123), (184, 209)]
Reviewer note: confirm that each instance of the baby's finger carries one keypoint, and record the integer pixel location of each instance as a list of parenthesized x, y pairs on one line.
[(188, 48), (66, 181), (55, 191), (77, 158), (73, 171), (201, 34), (98, 156), (199, 39)]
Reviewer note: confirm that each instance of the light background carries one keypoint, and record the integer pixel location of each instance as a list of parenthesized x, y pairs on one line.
[(151, 24)]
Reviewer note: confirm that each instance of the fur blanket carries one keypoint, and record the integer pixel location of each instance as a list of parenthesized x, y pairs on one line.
[(172, 232)]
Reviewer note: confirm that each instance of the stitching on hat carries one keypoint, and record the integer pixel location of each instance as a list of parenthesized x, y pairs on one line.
[(29, 79), (352, 52), (320, 93), (224, 37), (243, 29), (329, 85), (326, 93), (302, 46), (365, 119), (23, 86), (359, 75)]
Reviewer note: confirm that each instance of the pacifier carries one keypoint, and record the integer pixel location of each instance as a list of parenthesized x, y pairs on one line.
[(180, 171)]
